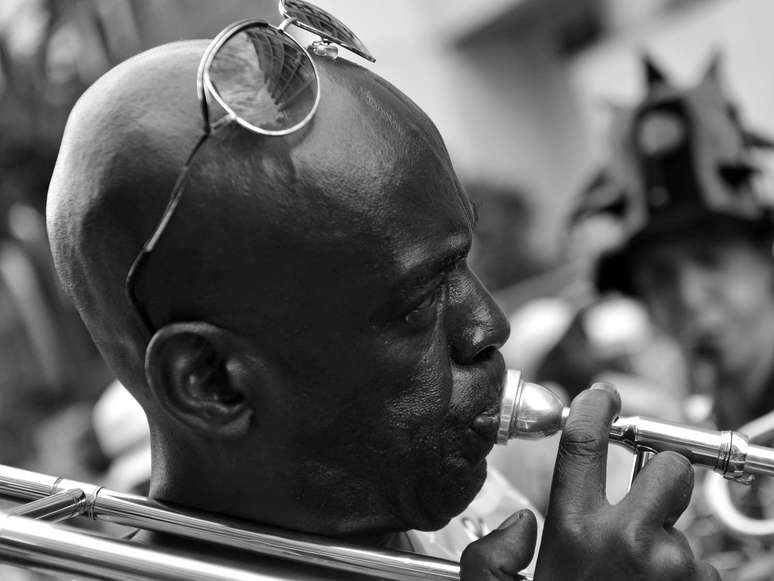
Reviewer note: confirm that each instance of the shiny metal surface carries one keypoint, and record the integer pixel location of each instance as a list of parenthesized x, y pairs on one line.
[(31, 543), (144, 513), (537, 412), (509, 398), (137, 511), (60, 506), (760, 460), (19, 483), (529, 410)]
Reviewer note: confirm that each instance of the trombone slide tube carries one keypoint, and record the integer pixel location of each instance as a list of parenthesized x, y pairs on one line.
[(55, 508), (39, 545), (137, 511)]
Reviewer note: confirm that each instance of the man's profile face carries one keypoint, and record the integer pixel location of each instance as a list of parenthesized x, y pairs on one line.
[(714, 294), (383, 343)]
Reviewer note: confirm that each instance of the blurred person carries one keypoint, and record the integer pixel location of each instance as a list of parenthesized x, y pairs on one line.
[(697, 248), (302, 329), (684, 185)]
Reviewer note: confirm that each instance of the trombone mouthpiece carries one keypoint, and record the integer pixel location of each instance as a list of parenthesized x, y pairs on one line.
[(528, 410)]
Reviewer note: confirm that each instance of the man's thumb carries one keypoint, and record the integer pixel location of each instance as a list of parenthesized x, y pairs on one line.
[(504, 552)]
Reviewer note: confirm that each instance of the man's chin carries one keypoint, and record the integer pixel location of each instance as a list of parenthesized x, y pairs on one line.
[(448, 496)]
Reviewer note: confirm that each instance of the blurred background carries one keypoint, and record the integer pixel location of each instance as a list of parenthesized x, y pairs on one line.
[(522, 91)]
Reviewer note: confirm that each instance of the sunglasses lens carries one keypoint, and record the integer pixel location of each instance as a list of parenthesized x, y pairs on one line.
[(266, 78), (323, 24)]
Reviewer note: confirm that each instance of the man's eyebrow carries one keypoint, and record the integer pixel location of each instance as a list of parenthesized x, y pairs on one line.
[(417, 278), (427, 271)]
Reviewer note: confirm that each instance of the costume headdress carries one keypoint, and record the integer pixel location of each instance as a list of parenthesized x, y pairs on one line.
[(679, 158)]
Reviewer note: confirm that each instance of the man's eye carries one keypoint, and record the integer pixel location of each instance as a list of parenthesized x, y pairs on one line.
[(424, 312)]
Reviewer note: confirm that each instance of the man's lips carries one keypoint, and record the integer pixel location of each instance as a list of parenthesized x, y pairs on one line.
[(486, 425), (487, 386)]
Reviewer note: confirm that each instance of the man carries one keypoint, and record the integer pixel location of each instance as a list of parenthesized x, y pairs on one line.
[(320, 357)]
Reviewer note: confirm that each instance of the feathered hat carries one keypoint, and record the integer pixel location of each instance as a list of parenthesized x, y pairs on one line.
[(679, 160)]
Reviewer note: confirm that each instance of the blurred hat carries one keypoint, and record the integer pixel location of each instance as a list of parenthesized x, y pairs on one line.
[(680, 162)]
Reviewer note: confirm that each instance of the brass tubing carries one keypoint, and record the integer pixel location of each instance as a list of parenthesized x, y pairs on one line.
[(700, 446), (531, 411), (18, 483), (30, 543), (141, 512), (147, 514), (58, 507), (760, 460), (137, 511)]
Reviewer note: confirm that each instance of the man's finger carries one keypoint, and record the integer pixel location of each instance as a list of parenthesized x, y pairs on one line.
[(661, 491), (503, 553), (581, 463)]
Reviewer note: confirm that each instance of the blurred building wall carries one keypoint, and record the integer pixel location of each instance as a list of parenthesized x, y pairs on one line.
[(504, 104), (516, 105)]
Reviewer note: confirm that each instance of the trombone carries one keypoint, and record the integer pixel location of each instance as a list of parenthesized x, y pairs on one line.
[(29, 536), (27, 540)]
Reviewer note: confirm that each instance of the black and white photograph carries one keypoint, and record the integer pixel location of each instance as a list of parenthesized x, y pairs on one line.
[(407, 290)]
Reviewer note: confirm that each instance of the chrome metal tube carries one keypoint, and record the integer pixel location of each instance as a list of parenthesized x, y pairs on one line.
[(60, 506), (760, 460), (718, 495), (30, 543), (147, 514), (532, 411), (141, 512)]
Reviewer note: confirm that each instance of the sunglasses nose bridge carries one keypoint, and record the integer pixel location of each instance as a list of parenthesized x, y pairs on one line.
[(323, 48), (287, 21)]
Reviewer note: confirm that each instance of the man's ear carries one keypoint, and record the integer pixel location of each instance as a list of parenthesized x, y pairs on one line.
[(197, 375)]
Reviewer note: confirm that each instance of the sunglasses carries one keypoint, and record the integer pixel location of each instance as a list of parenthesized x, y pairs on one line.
[(265, 81)]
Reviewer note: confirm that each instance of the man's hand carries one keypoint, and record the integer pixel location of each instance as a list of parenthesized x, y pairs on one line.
[(587, 539), (504, 552)]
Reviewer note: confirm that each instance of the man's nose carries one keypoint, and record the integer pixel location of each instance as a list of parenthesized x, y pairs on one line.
[(475, 325)]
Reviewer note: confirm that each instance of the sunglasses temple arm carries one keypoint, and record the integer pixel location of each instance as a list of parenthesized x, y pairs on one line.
[(131, 293), (174, 197), (150, 244)]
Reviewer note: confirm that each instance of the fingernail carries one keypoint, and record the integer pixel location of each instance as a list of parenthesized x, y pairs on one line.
[(605, 386), (512, 519)]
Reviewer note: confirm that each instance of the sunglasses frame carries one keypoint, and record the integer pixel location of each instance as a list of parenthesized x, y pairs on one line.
[(206, 89), (205, 86), (356, 46)]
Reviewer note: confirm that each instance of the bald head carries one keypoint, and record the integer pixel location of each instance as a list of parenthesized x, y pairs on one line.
[(317, 335), (252, 203)]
